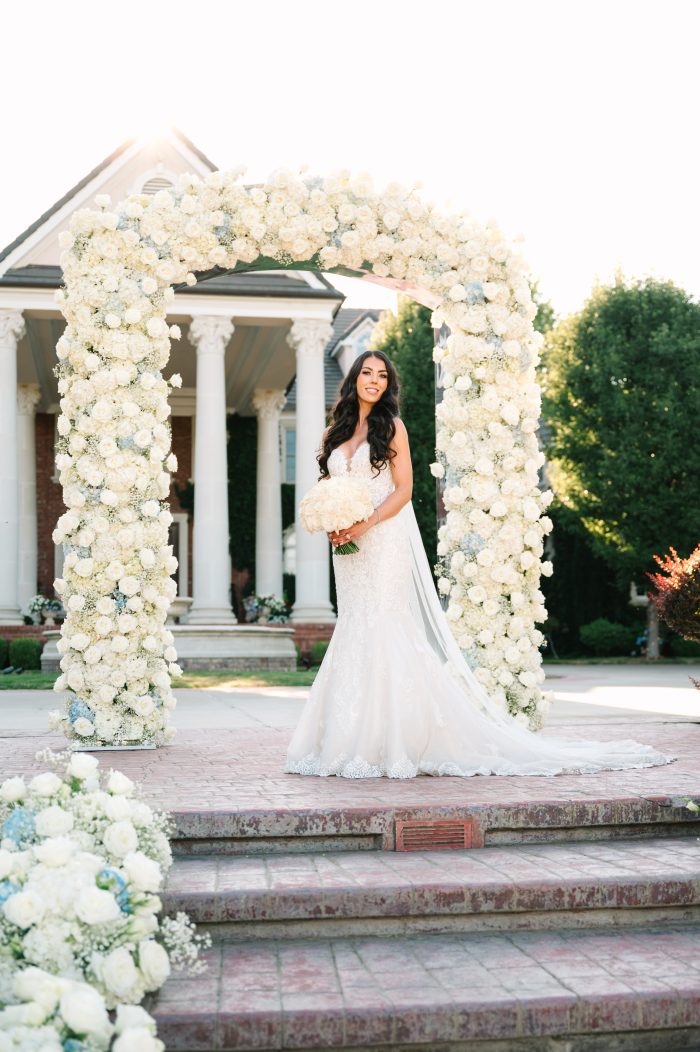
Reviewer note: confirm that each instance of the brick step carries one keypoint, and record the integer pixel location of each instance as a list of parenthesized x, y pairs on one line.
[(284, 830), (618, 991), (525, 887)]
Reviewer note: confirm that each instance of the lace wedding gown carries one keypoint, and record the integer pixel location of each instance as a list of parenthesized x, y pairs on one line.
[(394, 696)]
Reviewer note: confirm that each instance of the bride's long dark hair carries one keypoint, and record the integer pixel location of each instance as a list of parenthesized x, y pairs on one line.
[(380, 422)]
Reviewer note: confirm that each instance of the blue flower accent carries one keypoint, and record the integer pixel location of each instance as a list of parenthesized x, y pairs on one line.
[(124, 902), (120, 599), (78, 709), (472, 543), (110, 880), (495, 341), (224, 229), (475, 292), (7, 889), (19, 826), (125, 443), (72, 1044)]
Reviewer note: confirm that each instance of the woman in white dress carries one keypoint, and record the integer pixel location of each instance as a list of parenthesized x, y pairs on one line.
[(394, 696)]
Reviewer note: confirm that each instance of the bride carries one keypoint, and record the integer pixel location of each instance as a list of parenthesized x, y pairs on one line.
[(394, 696)]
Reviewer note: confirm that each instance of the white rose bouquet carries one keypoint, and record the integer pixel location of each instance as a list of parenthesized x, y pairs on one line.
[(334, 505), (82, 859), (51, 1014)]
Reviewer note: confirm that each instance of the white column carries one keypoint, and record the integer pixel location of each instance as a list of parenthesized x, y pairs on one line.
[(268, 503), (211, 584), (309, 338), (11, 331), (27, 399)]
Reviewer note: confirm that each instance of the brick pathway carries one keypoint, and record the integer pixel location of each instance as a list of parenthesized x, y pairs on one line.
[(241, 770), (372, 991), (378, 884)]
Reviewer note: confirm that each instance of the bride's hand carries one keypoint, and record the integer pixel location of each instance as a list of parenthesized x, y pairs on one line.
[(353, 533)]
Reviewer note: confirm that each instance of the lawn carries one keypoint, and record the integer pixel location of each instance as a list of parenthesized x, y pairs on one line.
[(197, 679), (201, 679)]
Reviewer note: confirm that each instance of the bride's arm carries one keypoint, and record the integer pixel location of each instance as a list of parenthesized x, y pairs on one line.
[(402, 472)]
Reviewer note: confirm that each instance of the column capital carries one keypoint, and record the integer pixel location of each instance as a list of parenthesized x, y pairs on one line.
[(11, 327), (268, 403), (309, 336), (210, 334), (28, 397)]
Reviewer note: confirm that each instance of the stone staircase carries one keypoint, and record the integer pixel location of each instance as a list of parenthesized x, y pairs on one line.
[(570, 925)]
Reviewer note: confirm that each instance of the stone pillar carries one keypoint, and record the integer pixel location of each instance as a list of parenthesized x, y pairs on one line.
[(211, 584), (27, 399), (309, 339), (268, 506), (11, 331)]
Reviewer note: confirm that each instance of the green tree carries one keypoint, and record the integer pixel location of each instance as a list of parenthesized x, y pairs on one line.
[(545, 318), (621, 399), (407, 339)]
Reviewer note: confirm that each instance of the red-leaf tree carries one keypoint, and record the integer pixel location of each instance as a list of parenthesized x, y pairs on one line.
[(677, 595)]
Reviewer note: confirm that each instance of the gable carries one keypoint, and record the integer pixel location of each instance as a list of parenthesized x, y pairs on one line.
[(125, 172)]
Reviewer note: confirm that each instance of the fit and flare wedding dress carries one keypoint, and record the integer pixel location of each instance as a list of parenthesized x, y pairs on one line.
[(395, 697)]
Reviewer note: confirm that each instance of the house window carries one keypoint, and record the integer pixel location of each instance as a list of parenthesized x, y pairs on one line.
[(290, 447), (156, 183)]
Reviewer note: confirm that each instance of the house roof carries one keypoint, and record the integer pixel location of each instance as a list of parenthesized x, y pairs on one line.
[(88, 179), (346, 320), (252, 283)]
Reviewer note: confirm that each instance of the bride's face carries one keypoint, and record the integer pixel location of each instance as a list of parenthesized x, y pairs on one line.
[(372, 381)]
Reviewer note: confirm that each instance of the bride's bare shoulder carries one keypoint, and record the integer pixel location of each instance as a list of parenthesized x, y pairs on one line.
[(401, 432)]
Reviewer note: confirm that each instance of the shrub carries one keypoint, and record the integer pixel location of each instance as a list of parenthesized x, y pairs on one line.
[(4, 653), (25, 653), (677, 596), (318, 651), (684, 647), (607, 637)]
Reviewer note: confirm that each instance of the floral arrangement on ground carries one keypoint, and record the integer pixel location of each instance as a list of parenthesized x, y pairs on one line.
[(82, 859), (120, 266)]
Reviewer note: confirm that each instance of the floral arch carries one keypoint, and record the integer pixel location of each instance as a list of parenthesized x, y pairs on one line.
[(120, 266)]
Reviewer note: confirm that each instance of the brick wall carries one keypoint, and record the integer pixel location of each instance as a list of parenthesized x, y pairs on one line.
[(49, 501), (305, 635)]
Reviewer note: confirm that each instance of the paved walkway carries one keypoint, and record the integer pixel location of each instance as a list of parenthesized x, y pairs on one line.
[(582, 692), (240, 768)]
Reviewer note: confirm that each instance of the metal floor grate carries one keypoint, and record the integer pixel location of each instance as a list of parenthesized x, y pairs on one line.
[(439, 835)]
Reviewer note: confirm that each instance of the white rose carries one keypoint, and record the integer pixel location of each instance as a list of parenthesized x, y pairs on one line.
[(118, 972), (117, 808), (129, 585), (156, 327), (53, 821), (120, 838), (129, 1016), (56, 851), (437, 470), (119, 784), (96, 906), (12, 790), (154, 964), (84, 727), (24, 908), (45, 784), (84, 1010), (137, 1039), (142, 871)]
